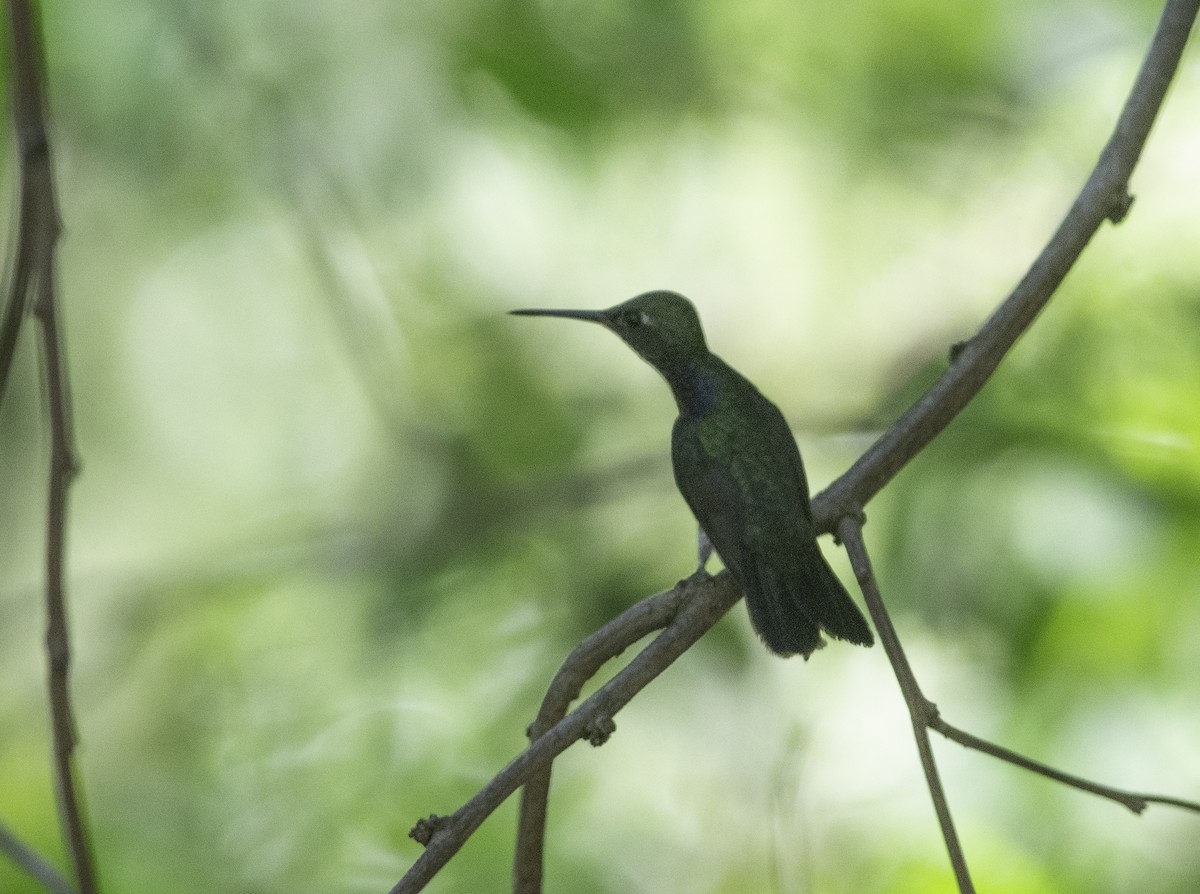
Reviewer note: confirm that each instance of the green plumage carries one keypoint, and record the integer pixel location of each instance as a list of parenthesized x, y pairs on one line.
[(738, 467)]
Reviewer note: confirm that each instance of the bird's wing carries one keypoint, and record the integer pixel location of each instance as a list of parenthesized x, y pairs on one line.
[(710, 490), (718, 486), (746, 487)]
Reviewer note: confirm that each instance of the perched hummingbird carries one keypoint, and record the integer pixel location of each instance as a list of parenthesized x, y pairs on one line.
[(738, 467)]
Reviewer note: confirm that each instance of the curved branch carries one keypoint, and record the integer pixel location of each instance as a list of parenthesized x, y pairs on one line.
[(703, 602), (652, 613), (1104, 197)]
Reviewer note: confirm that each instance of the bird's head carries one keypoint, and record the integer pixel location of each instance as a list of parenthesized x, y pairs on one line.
[(663, 327)]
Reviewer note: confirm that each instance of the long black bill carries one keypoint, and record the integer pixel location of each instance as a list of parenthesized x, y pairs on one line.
[(595, 316)]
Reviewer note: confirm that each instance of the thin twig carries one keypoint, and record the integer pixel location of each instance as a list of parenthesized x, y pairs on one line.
[(16, 297), (63, 468), (581, 665), (920, 709), (1135, 801), (1104, 197), (703, 602), (33, 863), (925, 716), (35, 275), (26, 97)]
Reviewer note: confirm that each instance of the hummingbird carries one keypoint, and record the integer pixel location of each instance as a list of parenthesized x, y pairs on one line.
[(739, 470)]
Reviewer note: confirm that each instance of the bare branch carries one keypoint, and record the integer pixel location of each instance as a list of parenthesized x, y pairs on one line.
[(1104, 197), (920, 709), (1135, 801), (33, 284), (703, 601), (925, 716), (581, 665), (32, 152)]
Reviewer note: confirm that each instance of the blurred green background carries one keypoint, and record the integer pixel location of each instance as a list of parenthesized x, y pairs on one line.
[(340, 518)]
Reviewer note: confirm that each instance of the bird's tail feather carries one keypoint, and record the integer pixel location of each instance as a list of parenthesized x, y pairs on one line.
[(831, 606), (789, 611)]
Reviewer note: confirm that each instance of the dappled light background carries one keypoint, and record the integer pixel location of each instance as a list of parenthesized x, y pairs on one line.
[(340, 518)]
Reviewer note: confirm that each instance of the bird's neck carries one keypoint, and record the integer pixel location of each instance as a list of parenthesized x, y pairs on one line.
[(695, 383)]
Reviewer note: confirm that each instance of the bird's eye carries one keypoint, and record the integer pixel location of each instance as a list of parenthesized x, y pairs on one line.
[(634, 318)]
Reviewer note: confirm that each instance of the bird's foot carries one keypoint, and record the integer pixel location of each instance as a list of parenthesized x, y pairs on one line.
[(704, 550)]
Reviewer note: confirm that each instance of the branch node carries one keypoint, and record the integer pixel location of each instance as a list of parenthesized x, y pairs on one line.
[(958, 347), (1119, 206), (599, 730), (854, 512), (426, 828), (927, 712)]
